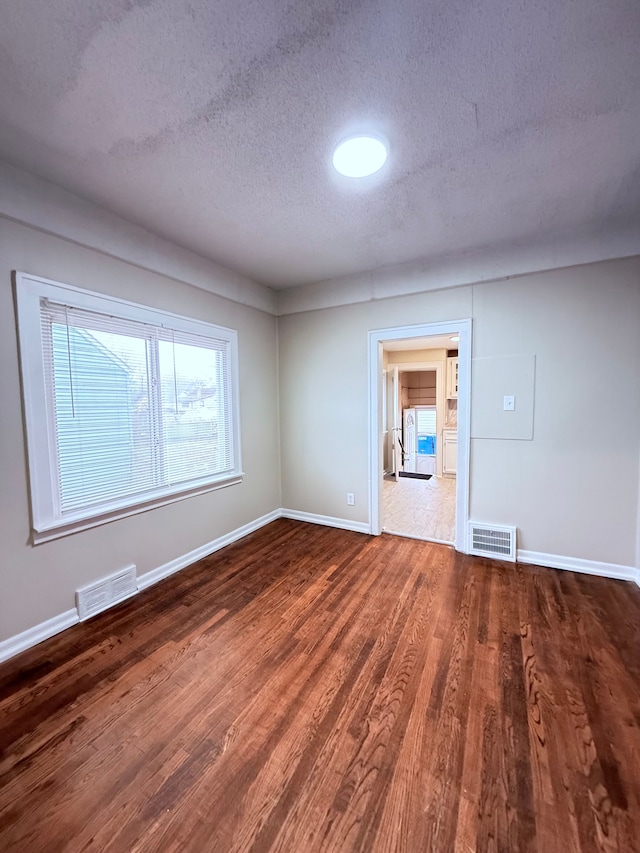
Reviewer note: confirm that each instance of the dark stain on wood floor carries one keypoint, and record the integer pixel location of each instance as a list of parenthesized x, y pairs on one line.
[(311, 689)]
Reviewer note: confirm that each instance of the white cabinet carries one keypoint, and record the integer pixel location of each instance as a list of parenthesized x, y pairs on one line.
[(452, 378), (450, 451)]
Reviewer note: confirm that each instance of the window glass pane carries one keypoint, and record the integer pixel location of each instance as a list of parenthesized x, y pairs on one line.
[(195, 401)]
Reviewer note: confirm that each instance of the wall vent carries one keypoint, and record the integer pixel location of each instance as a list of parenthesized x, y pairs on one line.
[(98, 596), (492, 540)]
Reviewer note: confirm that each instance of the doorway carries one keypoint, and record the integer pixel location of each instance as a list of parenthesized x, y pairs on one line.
[(419, 431), (418, 494)]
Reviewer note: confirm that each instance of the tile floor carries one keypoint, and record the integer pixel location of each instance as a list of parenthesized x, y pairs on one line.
[(425, 509)]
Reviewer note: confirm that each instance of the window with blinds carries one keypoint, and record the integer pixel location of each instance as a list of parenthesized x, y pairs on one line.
[(126, 406), (426, 420)]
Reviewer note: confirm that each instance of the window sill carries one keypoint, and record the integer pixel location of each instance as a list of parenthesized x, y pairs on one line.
[(66, 527)]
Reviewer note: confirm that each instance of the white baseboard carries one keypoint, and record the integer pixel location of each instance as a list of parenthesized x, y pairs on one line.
[(170, 568), (327, 520), (575, 564), (32, 636)]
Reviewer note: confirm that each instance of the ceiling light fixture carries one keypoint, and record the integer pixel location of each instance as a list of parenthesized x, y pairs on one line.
[(455, 338), (359, 156)]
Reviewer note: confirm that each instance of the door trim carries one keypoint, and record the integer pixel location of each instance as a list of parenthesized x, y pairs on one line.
[(377, 338)]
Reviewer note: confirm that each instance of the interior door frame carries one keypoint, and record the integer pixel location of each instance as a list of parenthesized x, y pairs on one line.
[(441, 398), (396, 450), (377, 338)]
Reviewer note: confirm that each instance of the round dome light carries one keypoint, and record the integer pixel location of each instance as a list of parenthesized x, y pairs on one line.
[(359, 156)]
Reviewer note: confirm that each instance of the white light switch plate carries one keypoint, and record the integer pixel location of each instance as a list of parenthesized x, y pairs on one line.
[(509, 404)]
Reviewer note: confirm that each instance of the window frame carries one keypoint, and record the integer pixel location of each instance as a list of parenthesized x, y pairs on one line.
[(46, 522)]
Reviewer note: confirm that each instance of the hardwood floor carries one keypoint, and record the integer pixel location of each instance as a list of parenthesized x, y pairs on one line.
[(311, 689)]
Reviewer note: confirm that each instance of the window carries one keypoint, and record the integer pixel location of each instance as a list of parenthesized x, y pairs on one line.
[(126, 407), (426, 416), (426, 429)]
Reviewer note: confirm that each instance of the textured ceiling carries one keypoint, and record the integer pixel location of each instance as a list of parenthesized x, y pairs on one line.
[(213, 123)]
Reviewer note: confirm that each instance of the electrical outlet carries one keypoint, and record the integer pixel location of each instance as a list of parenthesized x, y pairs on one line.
[(351, 499)]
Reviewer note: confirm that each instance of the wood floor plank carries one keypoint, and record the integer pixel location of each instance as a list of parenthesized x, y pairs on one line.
[(309, 689)]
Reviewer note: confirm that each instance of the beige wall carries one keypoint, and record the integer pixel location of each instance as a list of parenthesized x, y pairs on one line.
[(37, 583), (323, 390), (573, 489)]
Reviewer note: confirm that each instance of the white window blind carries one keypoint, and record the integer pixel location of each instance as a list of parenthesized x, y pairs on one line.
[(426, 420), (137, 405)]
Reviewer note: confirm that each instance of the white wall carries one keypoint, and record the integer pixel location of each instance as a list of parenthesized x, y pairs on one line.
[(39, 582), (573, 489)]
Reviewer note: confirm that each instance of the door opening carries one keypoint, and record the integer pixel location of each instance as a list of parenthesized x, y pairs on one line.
[(419, 431)]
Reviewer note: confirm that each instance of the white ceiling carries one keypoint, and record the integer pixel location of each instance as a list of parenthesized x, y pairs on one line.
[(213, 123)]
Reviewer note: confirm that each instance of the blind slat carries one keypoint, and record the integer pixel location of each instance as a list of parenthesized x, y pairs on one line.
[(426, 420)]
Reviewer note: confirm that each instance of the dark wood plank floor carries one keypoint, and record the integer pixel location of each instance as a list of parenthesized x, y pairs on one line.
[(310, 689)]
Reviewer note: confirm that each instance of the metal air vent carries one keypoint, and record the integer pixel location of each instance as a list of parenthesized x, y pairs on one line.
[(105, 593), (492, 540)]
